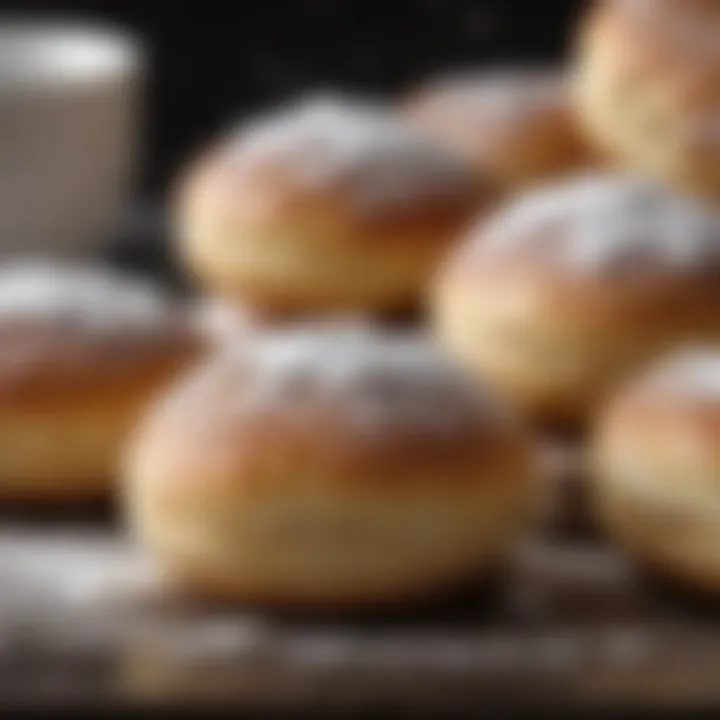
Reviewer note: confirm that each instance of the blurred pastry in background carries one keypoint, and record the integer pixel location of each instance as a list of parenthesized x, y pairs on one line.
[(81, 351), (329, 204), (647, 89), (571, 287), (656, 455), (330, 467), (516, 125)]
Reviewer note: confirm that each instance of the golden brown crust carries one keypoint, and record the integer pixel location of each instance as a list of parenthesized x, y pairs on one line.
[(338, 228), (559, 307), (68, 372), (279, 389), (65, 445), (65, 452), (83, 351), (244, 457), (297, 268), (248, 193), (72, 330), (300, 493), (278, 537), (657, 462), (517, 125), (647, 89), (672, 405)]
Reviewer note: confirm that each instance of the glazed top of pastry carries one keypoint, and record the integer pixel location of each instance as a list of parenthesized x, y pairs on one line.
[(602, 225), (376, 381), (330, 143)]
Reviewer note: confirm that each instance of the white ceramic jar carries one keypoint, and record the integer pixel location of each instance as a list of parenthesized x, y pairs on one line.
[(69, 125)]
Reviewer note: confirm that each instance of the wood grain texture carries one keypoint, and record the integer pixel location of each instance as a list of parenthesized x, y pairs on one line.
[(85, 619)]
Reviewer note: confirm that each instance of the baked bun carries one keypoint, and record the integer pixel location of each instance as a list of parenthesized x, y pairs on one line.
[(569, 289), (657, 462), (81, 350), (518, 126), (647, 89), (327, 205), (328, 467)]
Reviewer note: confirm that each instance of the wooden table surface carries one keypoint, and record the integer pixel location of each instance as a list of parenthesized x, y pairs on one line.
[(84, 620)]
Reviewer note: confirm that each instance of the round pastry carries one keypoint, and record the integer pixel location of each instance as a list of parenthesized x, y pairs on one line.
[(516, 125), (656, 454), (335, 466), (647, 89), (81, 350), (570, 288), (327, 205)]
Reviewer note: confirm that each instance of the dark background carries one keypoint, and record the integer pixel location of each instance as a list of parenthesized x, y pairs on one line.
[(211, 61)]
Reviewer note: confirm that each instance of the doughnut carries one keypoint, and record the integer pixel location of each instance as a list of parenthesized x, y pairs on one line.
[(328, 466), (518, 126), (656, 462), (81, 350), (646, 89), (327, 205), (569, 288)]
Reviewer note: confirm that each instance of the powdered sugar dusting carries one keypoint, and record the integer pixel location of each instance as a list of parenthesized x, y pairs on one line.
[(504, 94), (81, 297), (693, 372), (380, 160), (600, 224), (380, 380)]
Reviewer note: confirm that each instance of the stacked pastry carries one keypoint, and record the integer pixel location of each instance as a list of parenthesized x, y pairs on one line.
[(329, 465), (556, 225)]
